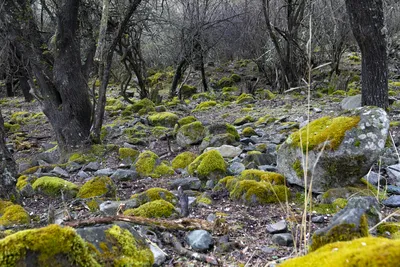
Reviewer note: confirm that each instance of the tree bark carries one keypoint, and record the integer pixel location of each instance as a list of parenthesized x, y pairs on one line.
[(367, 22), (180, 69)]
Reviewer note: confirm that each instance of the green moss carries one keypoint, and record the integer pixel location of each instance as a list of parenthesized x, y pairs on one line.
[(388, 227), (321, 130), (162, 170), (205, 105), (4, 204), (187, 90), (49, 244), (156, 78), (193, 131), (205, 95), (159, 131), (243, 120), (229, 182), (236, 78), (144, 105), (126, 251), (12, 127), (186, 120), (208, 163), (14, 214), (154, 209), (230, 129), (146, 163), (248, 131), (52, 186), (341, 232), (230, 89), (128, 153), (244, 99), (258, 175), (355, 58), (339, 92), (93, 204), (394, 123), (98, 186), (183, 160), (154, 193), (298, 168), (225, 82), (203, 200), (24, 117), (166, 119), (264, 120), (115, 106)]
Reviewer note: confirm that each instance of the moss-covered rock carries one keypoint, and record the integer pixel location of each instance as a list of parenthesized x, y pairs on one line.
[(141, 107), (183, 160), (186, 120), (52, 186), (96, 152), (248, 131), (264, 120), (225, 82), (152, 194), (258, 175), (98, 186), (187, 91), (245, 99), (167, 119), (45, 247), (190, 134), (345, 192), (128, 155), (149, 164), (230, 89), (154, 209), (205, 105), (209, 165), (243, 120), (11, 214), (388, 228)]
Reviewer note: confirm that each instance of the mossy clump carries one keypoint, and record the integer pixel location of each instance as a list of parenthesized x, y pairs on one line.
[(142, 106), (344, 193), (115, 106), (230, 129), (146, 163), (258, 175), (49, 245), (225, 82), (191, 133), (230, 89), (187, 91), (243, 120), (244, 99), (236, 77), (186, 120), (369, 251), (11, 214), (12, 127), (163, 169), (167, 119), (98, 186), (154, 209), (264, 120), (339, 93), (324, 129), (96, 152), (52, 186), (298, 168), (340, 232), (128, 154), (388, 228), (202, 199), (208, 165), (205, 105), (24, 117), (248, 131), (154, 193), (183, 160)]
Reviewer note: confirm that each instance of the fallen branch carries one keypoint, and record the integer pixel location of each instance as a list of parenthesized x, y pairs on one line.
[(185, 224), (171, 239)]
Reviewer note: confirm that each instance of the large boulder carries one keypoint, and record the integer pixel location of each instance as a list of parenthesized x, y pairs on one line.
[(190, 134), (341, 150)]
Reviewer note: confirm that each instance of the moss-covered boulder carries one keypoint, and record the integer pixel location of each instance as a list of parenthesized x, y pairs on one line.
[(245, 99), (205, 105), (154, 209), (152, 194), (220, 134), (11, 214), (183, 160), (248, 131), (368, 251), (149, 164), (209, 165), (186, 120), (128, 155), (190, 134), (243, 120), (166, 119), (45, 247), (96, 187), (187, 91), (53, 186), (341, 150)]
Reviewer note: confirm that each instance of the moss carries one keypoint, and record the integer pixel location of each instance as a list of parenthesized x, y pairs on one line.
[(230, 129), (229, 182), (264, 120), (258, 175), (14, 214), (230, 89), (162, 170), (159, 131), (145, 104), (339, 93), (50, 244), (340, 203), (4, 204), (126, 251), (321, 130), (194, 131), (203, 200), (186, 120), (22, 182), (52, 186), (93, 205), (205, 105), (115, 106), (341, 232), (298, 168), (248, 131), (355, 58), (253, 192), (31, 170), (146, 163), (154, 193), (188, 90), (154, 209), (244, 99), (128, 153), (12, 127), (236, 78), (208, 163), (394, 123), (183, 160), (156, 78), (353, 92), (225, 82), (166, 119), (203, 96), (388, 227), (243, 120), (98, 186), (24, 117)]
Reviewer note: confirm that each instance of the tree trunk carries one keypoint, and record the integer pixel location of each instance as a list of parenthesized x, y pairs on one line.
[(23, 83), (367, 22), (203, 75), (9, 86), (180, 69), (8, 169)]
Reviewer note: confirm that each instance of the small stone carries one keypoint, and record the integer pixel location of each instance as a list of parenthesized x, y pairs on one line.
[(159, 255), (186, 183), (211, 217), (393, 172), (285, 239), (125, 175), (351, 102), (374, 178), (104, 172), (267, 250), (92, 166), (317, 110), (318, 219), (393, 189), (392, 201), (279, 227), (226, 151), (210, 184), (61, 172), (110, 207), (200, 240), (236, 168), (83, 175)]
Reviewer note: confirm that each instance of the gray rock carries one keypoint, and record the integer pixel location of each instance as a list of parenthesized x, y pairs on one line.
[(23, 166), (276, 228), (392, 201), (186, 183), (393, 172), (318, 219), (351, 102), (82, 175), (190, 134), (211, 217), (375, 178), (125, 175), (268, 168), (393, 189), (217, 140), (344, 166), (226, 151), (259, 159), (268, 250), (60, 172), (92, 166), (110, 207), (159, 255), (104, 172), (236, 168), (200, 240), (284, 239), (210, 184)]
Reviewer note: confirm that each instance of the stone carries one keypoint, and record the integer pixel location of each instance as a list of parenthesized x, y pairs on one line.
[(82, 175), (217, 140), (318, 219), (190, 134), (236, 168), (341, 150), (110, 207), (393, 171), (351, 102), (104, 172), (375, 178), (284, 239), (393, 189), (278, 227), (125, 175), (61, 172), (259, 159), (392, 201), (186, 183), (226, 151), (159, 255), (200, 240), (211, 217), (92, 166)]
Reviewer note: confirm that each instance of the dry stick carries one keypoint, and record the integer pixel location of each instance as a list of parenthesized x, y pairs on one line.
[(171, 239), (185, 224)]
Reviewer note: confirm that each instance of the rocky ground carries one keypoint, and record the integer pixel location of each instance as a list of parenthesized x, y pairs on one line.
[(251, 237)]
